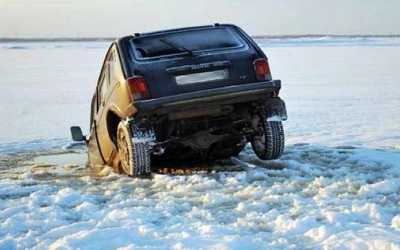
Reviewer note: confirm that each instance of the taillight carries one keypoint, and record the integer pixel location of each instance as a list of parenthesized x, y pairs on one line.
[(261, 68), (138, 87)]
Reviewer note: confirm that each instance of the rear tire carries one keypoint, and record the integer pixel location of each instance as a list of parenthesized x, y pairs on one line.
[(269, 142), (134, 154)]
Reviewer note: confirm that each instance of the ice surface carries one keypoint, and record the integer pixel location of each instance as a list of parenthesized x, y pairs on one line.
[(46, 88), (336, 186), (324, 197)]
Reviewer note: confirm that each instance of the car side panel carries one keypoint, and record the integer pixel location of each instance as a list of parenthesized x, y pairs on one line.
[(103, 140), (94, 154), (118, 101), (95, 157)]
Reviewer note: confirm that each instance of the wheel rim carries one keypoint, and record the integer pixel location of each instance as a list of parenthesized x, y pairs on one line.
[(123, 152)]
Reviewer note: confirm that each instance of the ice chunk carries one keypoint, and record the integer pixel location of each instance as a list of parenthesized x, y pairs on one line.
[(396, 222), (68, 197)]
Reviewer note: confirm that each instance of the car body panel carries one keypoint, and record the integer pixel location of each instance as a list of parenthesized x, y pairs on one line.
[(112, 96)]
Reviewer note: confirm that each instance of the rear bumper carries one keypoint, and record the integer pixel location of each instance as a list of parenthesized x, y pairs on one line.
[(229, 94)]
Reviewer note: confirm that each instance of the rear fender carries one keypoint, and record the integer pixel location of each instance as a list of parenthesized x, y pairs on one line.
[(276, 109), (114, 115)]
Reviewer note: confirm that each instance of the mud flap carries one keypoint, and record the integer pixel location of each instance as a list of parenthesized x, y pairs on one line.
[(275, 109)]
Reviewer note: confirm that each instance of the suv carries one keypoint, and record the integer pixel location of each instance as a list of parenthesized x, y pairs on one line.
[(191, 93)]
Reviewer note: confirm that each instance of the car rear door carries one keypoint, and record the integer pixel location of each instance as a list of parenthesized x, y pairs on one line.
[(172, 77), (221, 57)]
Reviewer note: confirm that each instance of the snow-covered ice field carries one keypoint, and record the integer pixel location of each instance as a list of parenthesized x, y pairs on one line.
[(336, 187)]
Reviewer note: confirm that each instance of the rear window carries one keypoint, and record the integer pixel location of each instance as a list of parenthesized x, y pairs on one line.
[(185, 41)]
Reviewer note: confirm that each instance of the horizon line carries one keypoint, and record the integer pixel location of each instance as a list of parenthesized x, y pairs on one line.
[(287, 36)]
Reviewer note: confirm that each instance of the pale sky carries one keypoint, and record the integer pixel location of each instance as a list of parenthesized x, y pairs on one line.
[(106, 18)]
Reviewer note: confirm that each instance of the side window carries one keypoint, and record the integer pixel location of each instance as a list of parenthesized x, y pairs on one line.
[(116, 73), (104, 84), (113, 66), (104, 81), (109, 75)]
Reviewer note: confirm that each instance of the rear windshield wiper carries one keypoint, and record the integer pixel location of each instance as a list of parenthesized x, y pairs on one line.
[(177, 47)]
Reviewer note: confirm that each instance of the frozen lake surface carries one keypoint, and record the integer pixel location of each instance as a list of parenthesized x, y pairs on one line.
[(336, 187)]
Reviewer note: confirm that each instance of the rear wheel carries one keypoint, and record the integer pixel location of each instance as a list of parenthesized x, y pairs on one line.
[(269, 141), (133, 152)]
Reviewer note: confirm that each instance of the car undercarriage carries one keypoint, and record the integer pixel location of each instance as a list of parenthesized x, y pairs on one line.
[(217, 132)]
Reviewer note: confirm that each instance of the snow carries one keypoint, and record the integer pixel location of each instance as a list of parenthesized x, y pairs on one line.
[(323, 198), (336, 187), (396, 222)]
